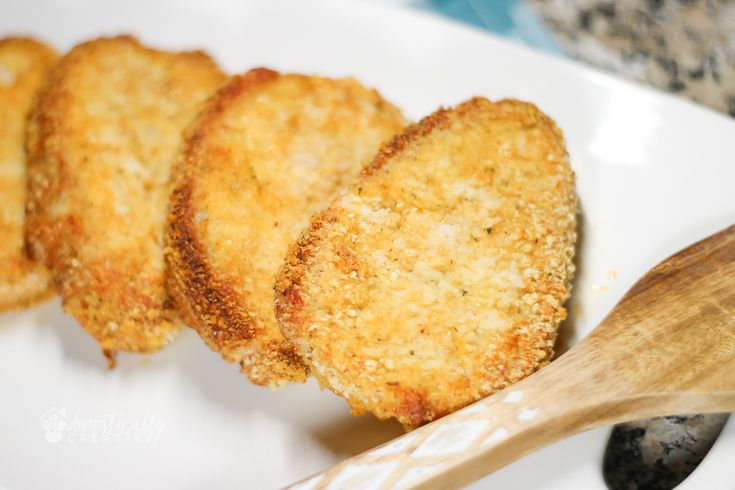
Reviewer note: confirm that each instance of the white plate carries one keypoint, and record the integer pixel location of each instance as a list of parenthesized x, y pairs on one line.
[(654, 174)]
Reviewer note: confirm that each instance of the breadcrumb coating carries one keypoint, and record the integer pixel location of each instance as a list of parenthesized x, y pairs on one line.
[(269, 151), (440, 276), (23, 65), (102, 139)]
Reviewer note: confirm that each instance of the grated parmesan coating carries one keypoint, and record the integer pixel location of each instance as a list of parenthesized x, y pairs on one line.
[(23, 65), (269, 151), (101, 142), (440, 277)]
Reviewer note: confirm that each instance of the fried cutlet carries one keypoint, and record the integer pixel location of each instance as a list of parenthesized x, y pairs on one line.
[(440, 276), (268, 152), (102, 140), (23, 65)]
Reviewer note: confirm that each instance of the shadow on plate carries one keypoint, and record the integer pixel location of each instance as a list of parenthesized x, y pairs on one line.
[(78, 346), (326, 416), (357, 434)]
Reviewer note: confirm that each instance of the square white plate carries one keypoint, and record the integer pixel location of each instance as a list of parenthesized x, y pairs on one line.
[(654, 174)]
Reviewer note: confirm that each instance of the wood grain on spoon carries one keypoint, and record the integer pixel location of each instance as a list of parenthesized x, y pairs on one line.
[(667, 347)]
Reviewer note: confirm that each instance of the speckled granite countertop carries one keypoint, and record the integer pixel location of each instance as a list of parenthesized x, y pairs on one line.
[(682, 46)]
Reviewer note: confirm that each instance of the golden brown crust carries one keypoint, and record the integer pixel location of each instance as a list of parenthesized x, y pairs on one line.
[(459, 238), (101, 143), (238, 202), (23, 64)]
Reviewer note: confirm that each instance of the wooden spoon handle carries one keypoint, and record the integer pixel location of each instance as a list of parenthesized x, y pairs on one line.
[(579, 391), (471, 442)]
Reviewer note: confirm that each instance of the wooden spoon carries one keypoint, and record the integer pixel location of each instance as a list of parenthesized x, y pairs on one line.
[(667, 347)]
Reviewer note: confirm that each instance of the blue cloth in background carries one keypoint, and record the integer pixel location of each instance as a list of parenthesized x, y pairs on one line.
[(507, 18)]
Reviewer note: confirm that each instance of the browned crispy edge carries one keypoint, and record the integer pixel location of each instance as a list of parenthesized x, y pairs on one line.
[(208, 302)]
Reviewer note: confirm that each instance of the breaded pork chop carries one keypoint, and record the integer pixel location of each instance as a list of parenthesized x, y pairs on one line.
[(23, 65), (101, 143), (268, 152), (439, 277)]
